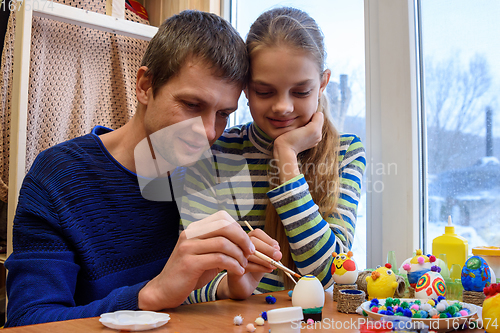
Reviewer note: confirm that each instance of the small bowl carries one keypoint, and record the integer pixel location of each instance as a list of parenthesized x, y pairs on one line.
[(435, 324)]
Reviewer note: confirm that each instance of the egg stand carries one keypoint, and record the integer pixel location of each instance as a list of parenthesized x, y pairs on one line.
[(361, 281), (349, 300), (338, 287), (474, 297)]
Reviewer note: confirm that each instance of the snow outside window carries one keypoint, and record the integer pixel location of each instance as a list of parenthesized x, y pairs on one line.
[(461, 79)]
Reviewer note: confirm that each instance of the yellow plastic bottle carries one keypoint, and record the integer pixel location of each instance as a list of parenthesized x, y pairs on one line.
[(454, 246)]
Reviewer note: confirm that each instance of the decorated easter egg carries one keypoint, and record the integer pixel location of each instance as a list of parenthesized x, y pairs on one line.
[(381, 283), (418, 266), (309, 294), (476, 274), (430, 285), (344, 269)]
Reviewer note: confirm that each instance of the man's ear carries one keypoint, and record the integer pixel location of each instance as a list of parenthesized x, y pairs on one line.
[(143, 86), (325, 78)]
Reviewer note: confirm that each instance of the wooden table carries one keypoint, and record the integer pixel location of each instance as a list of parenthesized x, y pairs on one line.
[(216, 317)]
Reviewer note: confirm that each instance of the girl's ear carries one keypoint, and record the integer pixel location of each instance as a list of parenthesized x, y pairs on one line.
[(143, 86), (325, 78)]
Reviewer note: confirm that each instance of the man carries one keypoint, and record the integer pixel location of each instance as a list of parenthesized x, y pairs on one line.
[(87, 241)]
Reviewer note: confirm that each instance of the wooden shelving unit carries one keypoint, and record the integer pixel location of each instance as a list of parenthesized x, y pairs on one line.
[(158, 10)]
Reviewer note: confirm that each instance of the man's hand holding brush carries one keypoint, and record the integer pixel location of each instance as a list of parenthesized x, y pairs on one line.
[(242, 286)]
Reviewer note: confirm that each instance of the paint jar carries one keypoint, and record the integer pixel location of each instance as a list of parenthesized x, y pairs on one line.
[(285, 320), (491, 254)]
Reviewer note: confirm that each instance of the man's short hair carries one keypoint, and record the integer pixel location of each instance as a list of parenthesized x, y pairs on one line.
[(200, 35)]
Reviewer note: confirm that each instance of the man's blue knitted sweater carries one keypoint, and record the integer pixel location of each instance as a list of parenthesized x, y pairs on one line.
[(85, 239)]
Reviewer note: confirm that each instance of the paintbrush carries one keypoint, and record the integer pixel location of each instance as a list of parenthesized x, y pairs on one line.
[(275, 263)]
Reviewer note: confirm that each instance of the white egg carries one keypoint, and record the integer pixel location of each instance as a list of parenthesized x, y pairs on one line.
[(308, 293)]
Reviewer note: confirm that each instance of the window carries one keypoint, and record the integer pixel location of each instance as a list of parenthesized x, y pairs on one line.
[(461, 78), (342, 23)]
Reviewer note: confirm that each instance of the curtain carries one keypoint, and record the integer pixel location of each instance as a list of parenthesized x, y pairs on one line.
[(79, 78)]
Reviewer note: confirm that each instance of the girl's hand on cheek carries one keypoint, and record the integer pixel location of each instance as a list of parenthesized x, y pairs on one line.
[(302, 138)]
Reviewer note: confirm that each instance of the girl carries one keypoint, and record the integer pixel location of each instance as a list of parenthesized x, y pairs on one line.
[(305, 178)]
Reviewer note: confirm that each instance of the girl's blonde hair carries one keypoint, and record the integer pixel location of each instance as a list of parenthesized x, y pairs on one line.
[(293, 28)]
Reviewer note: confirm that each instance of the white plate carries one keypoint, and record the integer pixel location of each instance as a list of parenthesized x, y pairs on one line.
[(441, 324), (134, 320)]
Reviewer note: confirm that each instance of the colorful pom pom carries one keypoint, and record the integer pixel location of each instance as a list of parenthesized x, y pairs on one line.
[(259, 321), (421, 260), (238, 320), (310, 321), (264, 315), (425, 307), (407, 313), (270, 299), (250, 328)]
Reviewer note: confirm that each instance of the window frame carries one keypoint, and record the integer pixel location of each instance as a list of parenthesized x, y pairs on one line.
[(394, 217)]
